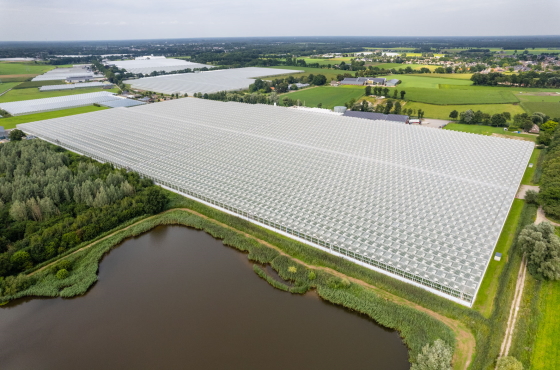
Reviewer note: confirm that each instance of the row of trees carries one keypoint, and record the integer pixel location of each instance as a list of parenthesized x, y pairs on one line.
[(390, 107), (523, 79), (384, 91), (471, 117), (52, 200)]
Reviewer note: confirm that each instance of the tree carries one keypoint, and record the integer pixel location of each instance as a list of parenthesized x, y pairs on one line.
[(385, 91), (549, 125), (395, 93), (454, 114), (21, 260), (320, 105), (531, 197), (437, 356), (18, 211), (403, 93), (398, 108), (467, 117), (420, 113), (388, 107), (155, 200), (542, 247), (509, 363), (319, 80), (498, 120), (62, 274), (368, 90), (16, 135)]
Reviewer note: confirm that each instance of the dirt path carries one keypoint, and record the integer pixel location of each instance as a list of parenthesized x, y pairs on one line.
[(466, 342), (541, 217), (506, 344)]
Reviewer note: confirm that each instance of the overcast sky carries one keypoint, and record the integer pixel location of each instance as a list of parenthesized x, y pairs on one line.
[(48, 20)]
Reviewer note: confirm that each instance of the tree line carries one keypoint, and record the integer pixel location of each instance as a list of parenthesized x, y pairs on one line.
[(522, 79), (52, 200)]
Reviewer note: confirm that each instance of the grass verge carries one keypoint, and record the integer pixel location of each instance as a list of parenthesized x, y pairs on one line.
[(11, 122)]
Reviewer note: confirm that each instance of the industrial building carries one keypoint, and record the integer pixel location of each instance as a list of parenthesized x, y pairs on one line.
[(206, 82), (423, 206)]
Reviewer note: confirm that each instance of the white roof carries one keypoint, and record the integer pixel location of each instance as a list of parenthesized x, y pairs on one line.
[(64, 73), (206, 82), (60, 102), (427, 205), (147, 66)]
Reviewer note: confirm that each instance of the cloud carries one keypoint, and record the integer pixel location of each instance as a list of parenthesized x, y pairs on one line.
[(134, 19)]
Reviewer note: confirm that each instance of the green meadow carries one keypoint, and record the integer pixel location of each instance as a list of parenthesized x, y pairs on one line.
[(328, 96), (11, 122), (34, 93), (442, 111)]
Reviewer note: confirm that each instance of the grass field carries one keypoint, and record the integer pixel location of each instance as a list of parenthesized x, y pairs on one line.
[(551, 109), (441, 96), (432, 81), (328, 96), (7, 86), (485, 130), (485, 298), (546, 353), (442, 111), (538, 97), (37, 84), (512, 89), (34, 93), (23, 68), (331, 61), (530, 171), (11, 122)]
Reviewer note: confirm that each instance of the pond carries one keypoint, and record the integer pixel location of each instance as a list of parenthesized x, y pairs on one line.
[(175, 298)]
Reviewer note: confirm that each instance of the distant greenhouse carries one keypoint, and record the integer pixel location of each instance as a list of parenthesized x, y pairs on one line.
[(80, 71), (84, 85), (157, 64), (422, 205), (206, 82), (61, 102)]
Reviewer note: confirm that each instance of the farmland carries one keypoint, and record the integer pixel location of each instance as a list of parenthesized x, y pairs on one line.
[(330, 74), (11, 122), (428, 81), (326, 61), (33, 93), (328, 96), (551, 109), (441, 96), (403, 66), (23, 69), (546, 354), (7, 86), (442, 111)]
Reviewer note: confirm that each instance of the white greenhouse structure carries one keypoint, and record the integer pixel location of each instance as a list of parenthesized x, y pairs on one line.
[(422, 205), (147, 66), (206, 82), (22, 107), (83, 85)]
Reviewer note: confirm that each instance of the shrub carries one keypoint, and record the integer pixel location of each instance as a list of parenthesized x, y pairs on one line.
[(509, 363), (434, 357), (62, 274), (531, 197), (542, 247)]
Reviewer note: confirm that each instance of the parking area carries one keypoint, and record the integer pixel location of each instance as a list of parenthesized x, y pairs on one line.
[(435, 123)]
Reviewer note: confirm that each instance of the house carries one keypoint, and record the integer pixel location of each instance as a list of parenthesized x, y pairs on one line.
[(392, 83), (377, 116), (363, 81), (535, 129), (335, 83)]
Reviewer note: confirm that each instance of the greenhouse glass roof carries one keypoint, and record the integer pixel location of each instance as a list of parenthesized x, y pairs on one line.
[(64, 73), (206, 82), (60, 102), (423, 205), (147, 66)]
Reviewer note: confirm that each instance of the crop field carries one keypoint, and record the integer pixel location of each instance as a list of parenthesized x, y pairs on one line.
[(486, 130), (548, 108), (328, 96), (487, 291), (34, 93), (37, 84), (23, 69), (403, 66), (11, 122), (513, 89), (7, 86), (539, 97), (442, 96), (442, 111), (546, 354)]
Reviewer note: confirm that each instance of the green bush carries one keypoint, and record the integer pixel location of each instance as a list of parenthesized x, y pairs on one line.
[(62, 274)]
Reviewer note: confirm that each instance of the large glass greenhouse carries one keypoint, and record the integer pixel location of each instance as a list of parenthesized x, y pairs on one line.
[(422, 205)]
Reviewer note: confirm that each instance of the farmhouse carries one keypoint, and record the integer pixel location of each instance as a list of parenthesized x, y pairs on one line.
[(363, 81), (392, 83), (377, 116)]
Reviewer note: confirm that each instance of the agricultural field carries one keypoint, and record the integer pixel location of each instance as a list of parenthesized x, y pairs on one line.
[(539, 97), (487, 292), (34, 93), (456, 76), (442, 96), (325, 61), (328, 96), (8, 68), (7, 86), (486, 130), (442, 111), (548, 108), (512, 89), (546, 353), (11, 122), (37, 84)]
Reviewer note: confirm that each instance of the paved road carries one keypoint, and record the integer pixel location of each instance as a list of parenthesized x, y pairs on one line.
[(523, 190)]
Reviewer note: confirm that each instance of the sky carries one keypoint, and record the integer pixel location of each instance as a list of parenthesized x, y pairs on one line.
[(54, 20)]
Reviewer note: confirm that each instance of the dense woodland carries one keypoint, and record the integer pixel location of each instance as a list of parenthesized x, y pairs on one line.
[(51, 200)]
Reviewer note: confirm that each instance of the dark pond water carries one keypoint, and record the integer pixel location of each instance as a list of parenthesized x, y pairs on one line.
[(176, 298)]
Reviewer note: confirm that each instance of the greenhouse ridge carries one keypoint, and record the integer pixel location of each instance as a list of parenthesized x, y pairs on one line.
[(424, 205)]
